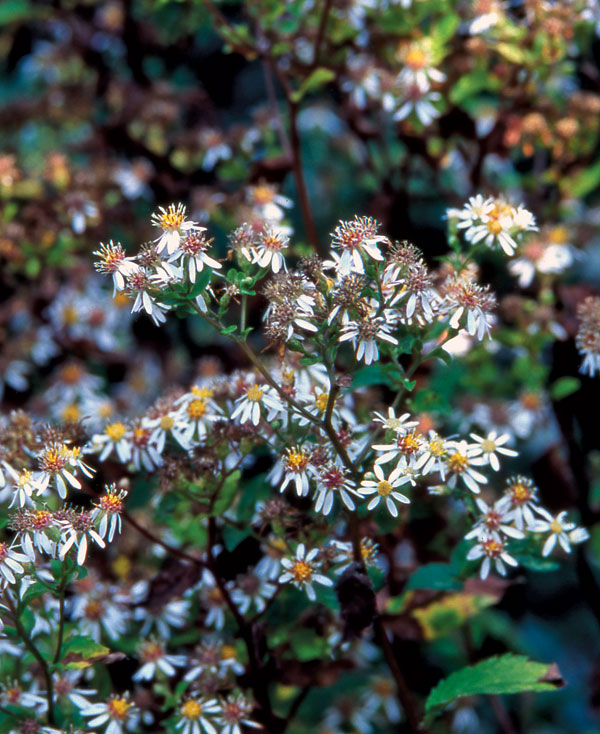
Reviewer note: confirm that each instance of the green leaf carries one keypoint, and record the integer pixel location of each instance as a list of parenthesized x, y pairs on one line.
[(80, 652), (494, 676), (437, 576), (318, 78), (229, 329), (226, 494), (564, 387), (537, 563), (582, 183)]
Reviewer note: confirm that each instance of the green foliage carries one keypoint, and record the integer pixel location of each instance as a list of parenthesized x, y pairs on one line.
[(498, 675)]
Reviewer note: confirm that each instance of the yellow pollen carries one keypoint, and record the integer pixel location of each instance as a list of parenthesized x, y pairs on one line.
[(488, 446), (115, 431), (172, 219), (71, 413), (228, 652), (203, 392), (556, 527), (71, 374), (254, 394), (110, 503), (302, 571), (140, 436), (384, 488), (409, 443), (120, 299), (458, 463), (118, 708), (70, 315), (296, 460), (191, 709), (416, 58), (492, 548), (196, 409), (520, 493), (494, 226), (321, 401), (558, 235), (167, 422), (263, 194), (436, 446)]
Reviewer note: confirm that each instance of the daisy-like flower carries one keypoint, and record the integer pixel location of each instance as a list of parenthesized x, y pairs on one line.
[(196, 715), (557, 527), (55, 462), (460, 460), (10, 564), (491, 445), (192, 249), (139, 285), (109, 508), (65, 687), (252, 589), (303, 571), (520, 496), (172, 221), (463, 296), (270, 204), (495, 519), (143, 451), (476, 210), (296, 468), (25, 483), (385, 489), (588, 335), (418, 101), (353, 238), (493, 550), (154, 658), (113, 261), (116, 436), (118, 713), (434, 450), (399, 424), (267, 252), (76, 528), (407, 445), (235, 712), (332, 480), (369, 551), (419, 69), (249, 405), (364, 335)]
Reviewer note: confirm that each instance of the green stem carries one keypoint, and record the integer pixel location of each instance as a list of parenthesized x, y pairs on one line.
[(28, 642)]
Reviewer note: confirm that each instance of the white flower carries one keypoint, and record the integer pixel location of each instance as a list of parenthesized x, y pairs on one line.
[(520, 496), (10, 564), (399, 424), (268, 249), (494, 519), (364, 335), (195, 715), (419, 101), (109, 508), (461, 459), (333, 479), (155, 658), (557, 527), (491, 549), (295, 467), (252, 589), (115, 436), (386, 488), (118, 712), (249, 405), (113, 261), (353, 238), (172, 221), (302, 571), (235, 712), (76, 528), (490, 446)]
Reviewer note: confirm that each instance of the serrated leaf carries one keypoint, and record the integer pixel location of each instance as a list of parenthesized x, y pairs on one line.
[(501, 674), (436, 576)]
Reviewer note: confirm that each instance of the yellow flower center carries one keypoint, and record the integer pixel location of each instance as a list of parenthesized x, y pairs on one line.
[(494, 226), (118, 708), (436, 447), (254, 394), (321, 401), (263, 194), (167, 422), (492, 548), (196, 409), (202, 392), (416, 58), (115, 431), (191, 709), (71, 413), (384, 488), (558, 235), (488, 446), (556, 527), (172, 219), (296, 460), (520, 493), (228, 652), (110, 503), (302, 571), (458, 463)]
